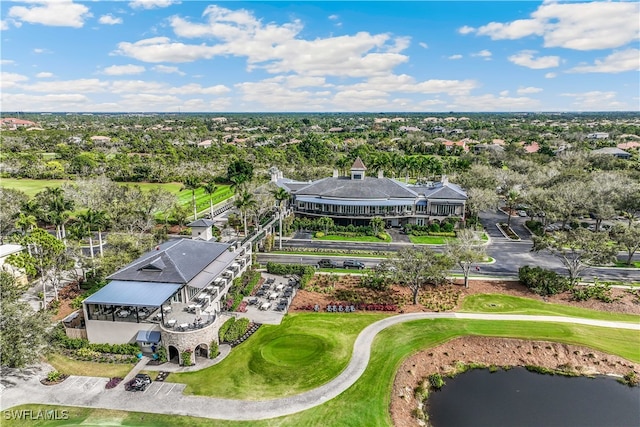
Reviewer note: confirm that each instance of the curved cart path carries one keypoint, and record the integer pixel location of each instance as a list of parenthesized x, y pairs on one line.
[(168, 398)]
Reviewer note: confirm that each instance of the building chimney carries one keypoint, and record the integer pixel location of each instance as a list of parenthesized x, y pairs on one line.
[(380, 174), (445, 180), (335, 173)]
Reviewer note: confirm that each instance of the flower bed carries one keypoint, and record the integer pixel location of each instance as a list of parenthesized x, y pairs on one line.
[(113, 382)]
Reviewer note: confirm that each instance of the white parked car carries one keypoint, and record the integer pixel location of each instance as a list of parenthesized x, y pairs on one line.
[(522, 213)]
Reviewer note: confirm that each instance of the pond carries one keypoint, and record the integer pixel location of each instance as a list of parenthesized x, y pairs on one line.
[(520, 398)]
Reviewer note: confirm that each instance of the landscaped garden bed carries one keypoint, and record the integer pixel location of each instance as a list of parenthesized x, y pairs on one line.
[(507, 231)]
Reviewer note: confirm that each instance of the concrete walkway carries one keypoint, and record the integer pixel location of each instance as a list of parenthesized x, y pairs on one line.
[(168, 398)]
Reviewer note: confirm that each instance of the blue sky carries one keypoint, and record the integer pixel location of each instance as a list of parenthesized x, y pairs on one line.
[(202, 56)]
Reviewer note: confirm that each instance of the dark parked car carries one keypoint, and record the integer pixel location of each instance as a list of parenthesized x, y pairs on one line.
[(138, 383), (327, 263), (352, 263)]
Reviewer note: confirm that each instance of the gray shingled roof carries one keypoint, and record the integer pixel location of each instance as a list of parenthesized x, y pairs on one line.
[(442, 191), (172, 262), (201, 223), (367, 188)]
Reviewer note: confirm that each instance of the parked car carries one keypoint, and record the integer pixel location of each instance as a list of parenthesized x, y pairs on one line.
[(138, 383), (352, 263), (522, 213), (327, 263)]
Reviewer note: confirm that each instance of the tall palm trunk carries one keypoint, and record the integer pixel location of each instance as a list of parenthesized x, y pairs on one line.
[(280, 229), (100, 242)]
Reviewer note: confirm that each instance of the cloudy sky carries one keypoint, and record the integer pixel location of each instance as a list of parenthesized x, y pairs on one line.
[(167, 55)]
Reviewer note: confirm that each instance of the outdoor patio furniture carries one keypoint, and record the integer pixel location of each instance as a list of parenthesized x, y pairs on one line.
[(171, 322)]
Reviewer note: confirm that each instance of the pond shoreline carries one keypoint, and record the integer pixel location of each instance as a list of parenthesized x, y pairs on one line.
[(499, 352)]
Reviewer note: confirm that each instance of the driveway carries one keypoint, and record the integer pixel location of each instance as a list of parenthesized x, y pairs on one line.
[(168, 398)]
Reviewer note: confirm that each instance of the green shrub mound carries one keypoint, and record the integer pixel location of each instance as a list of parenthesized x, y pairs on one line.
[(543, 282), (233, 329), (305, 272)]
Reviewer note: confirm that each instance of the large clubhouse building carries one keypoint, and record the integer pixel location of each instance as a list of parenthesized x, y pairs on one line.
[(172, 296), (357, 198)]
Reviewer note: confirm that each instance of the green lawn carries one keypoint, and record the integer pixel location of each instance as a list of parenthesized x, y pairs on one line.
[(370, 239), (70, 366), (32, 186), (634, 264), (282, 360), (366, 403), (429, 240), (498, 303), (223, 192)]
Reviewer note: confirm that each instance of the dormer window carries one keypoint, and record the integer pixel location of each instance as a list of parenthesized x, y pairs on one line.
[(357, 169)]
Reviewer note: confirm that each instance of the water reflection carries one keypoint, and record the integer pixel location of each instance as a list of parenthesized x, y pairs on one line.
[(524, 399)]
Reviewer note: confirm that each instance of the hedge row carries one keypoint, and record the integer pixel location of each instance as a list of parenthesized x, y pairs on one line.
[(305, 272), (543, 282)]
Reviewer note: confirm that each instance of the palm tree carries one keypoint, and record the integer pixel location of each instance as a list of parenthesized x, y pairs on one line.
[(26, 222), (57, 209), (511, 200), (192, 183), (281, 195), (244, 203), (100, 221), (87, 221), (210, 188)]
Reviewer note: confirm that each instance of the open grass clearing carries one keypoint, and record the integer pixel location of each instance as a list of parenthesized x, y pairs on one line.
[(429, 240), (507, 304), (368, 239), (367, 401), (298, 355), (32, 186), (66, 365), (622, 264)]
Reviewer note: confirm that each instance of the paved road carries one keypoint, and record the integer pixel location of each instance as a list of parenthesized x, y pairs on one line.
[(168, 398), (509, 255)]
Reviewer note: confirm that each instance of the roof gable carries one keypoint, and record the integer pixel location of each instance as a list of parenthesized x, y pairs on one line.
[(172, 262), (358, 165)]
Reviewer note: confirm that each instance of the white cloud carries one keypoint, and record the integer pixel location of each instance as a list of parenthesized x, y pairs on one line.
[(456, 56), (39, 50), (617, 62), (424, 45), (194, 88), (110, 20), (273, 95), (579, 26), (136, 86), (526, 58), (4, 25), (50, 102), (152, 4), (596, 101), (466, 29), (9, 80), (7, 62), (67, 86), (59, 13), (272, 47), (168, 70), (528, 90), (334, 17), (490, 102), (404, 83), (486, 54), (160, 49), (44, 75), (550, 76), (121, 70), (504, 93)]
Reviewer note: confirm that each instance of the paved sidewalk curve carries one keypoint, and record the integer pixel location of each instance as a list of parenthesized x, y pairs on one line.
[(168, 398)]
